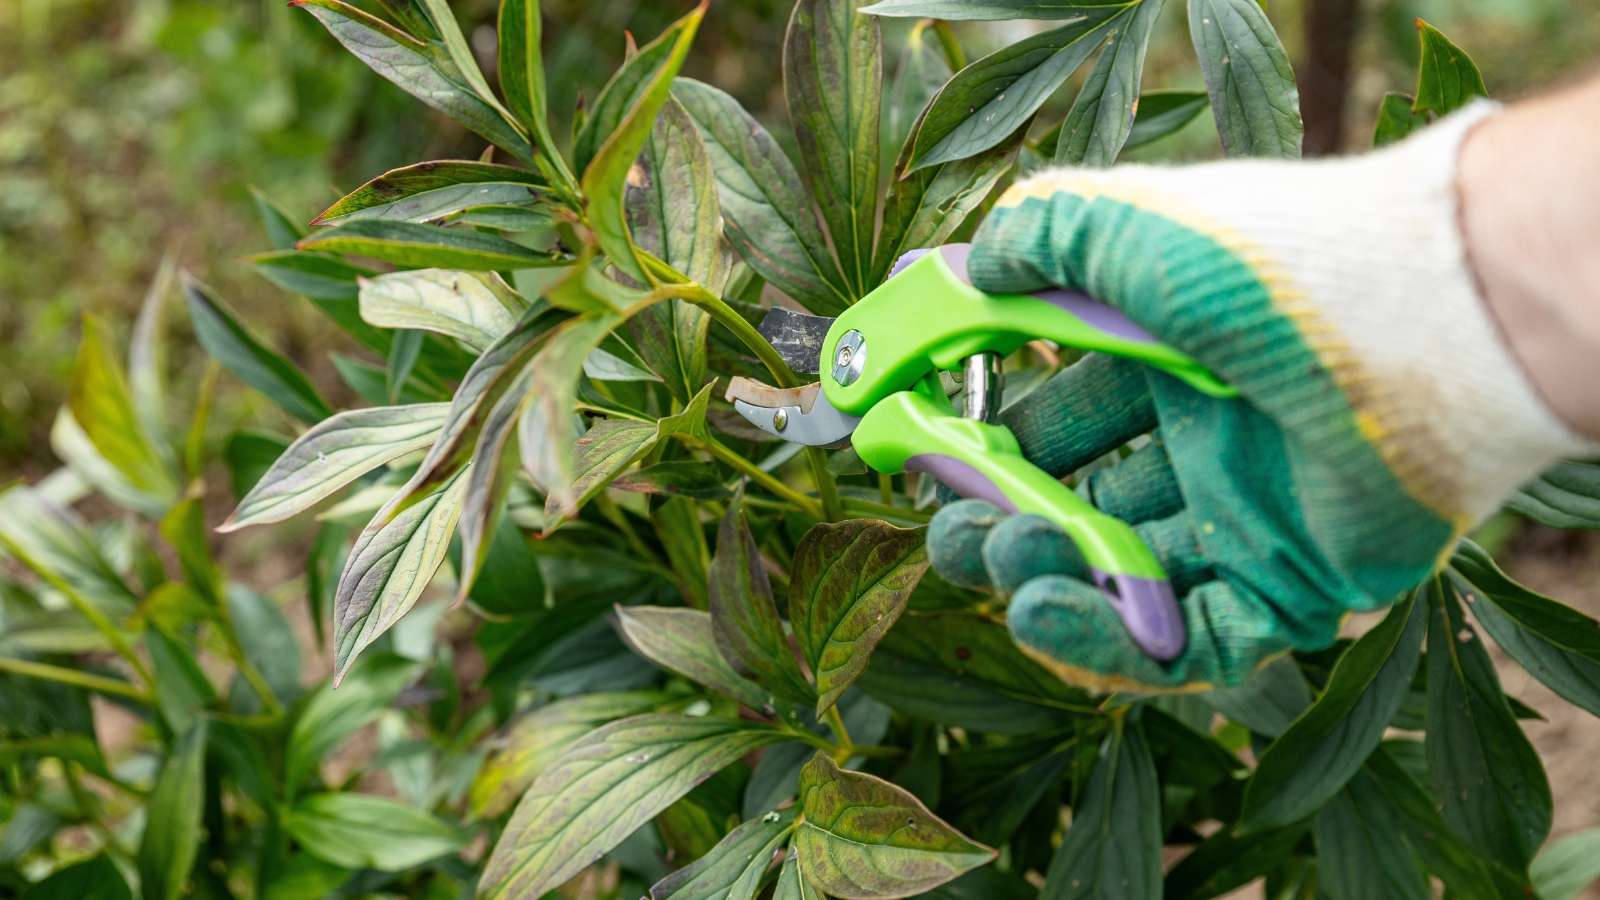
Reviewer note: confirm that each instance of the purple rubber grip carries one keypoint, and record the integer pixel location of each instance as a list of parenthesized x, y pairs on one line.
[(1147, 606)]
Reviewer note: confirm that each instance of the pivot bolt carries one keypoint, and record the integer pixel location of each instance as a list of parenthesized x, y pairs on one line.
[(849, 358), (780, 420)]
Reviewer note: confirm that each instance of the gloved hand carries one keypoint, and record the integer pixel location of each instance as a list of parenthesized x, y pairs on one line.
[(1380, 415)]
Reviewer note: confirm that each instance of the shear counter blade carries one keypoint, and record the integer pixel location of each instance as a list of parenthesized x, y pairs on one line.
[(797, 337), (799, 415)]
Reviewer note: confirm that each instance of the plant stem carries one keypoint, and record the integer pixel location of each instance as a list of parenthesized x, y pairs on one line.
[(617, 517), (886, 489), (194, 444), (81, 603), (827, 488), (866, 509), (97, 683), (809, 505), (845, 750), (731, 320), (952, 47)]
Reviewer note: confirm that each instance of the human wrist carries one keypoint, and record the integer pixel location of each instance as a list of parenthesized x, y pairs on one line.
[(1530, 219)]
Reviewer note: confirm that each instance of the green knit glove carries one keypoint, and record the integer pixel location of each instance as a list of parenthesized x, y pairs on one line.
[(1380, 417)]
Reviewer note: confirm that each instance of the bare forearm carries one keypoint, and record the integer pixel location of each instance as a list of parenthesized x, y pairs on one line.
[(1529, 185)]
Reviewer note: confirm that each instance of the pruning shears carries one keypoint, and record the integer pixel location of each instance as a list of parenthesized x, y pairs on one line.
[(879, 389)]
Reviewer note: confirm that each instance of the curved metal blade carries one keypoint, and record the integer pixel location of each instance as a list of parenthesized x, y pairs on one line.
[(805, 414), (797, 337)]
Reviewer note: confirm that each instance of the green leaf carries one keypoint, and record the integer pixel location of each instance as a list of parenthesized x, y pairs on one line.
[(1248, 76), (267, 641), (388, 569), (848, 584), (521, 67), (239, 351), (1396, 119), (861, 837), (1101, 118), (606, 785), (1564, 869), (93, 879), (358, 831), (548, 433), (922, 71), (1556, 644), (320, 276), (1160, 113), (603, 452), (735, 867), (331, 715), (50, 538), (1224, 862), (403, 351), (413, 246), (488, 479), (678, 527), (102, 404), (250, 455), (765, 206), (537, 738), (959, 668), (1447, 79), (147, 361), (1113, 849), (182, 690), (170, 845), (1566, 495), (986, 102), (744, 615), (991, 789), (682, 641), (72, 445), (1493, 787), (671, 200), (833, 80), (1361, 851), (958, 10), (433, 190), (1327, 744), (421, 70), (624, 115), (332, 454), (184, 527), (792, 884), (1268, 702), (283, 228), (676, 478)]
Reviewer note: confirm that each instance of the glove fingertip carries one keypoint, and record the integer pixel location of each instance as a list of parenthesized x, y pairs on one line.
[(955, 541), (1025, 547)]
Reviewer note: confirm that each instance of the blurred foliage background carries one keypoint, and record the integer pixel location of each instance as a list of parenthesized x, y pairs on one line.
[(134, 128)]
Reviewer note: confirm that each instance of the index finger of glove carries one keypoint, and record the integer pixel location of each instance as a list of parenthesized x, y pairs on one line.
[(1091, 408)]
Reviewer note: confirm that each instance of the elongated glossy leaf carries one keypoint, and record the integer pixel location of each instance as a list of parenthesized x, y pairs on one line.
[(1253, 94), (1113, 849), (1101, 118), (603, 452), (93, 879), (359, 831), (766, 208), (229, 342), (548, 433), (1489, 777), (605, 786), (102, 404), (47, 537), (331, 715), (536, 739), (1327, 744), (489, 476), (320, 276), (421, 70), (625, 88), (734, 868), (1556, 644), (433, 190), (73, 447), (1160, 113), (678, 527), (673, 213), (147, 359), (1268, 702), (605, 177), (403, 352), (986, 102), (792, 885), (1224, 862), (1447, 79), (978, 9), (1361, 851), (990, 790), (922, 71), (849, 583), (521, 66), (861, 837), (1566, 495), (413, 246), (388, 570), (476, 308), (1396, 119), (1568, 866), (833, 80), (168, 851), (681, 640), (963, 669), (335, 452), (744, 616)]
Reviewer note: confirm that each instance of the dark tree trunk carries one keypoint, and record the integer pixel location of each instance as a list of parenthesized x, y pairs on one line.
[(1330, 30)]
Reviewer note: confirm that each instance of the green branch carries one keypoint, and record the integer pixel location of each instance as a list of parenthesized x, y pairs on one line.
[(97, 683)]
